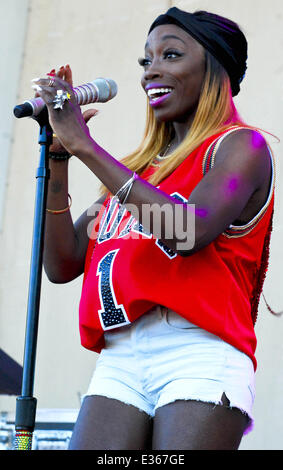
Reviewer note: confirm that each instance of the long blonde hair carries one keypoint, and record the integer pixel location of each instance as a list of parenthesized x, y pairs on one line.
[(216, 111)]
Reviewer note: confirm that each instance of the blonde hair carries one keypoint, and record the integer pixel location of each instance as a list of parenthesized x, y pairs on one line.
[(216, 111)]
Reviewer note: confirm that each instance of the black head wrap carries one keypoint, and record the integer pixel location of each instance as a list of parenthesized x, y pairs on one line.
[(220, 36)]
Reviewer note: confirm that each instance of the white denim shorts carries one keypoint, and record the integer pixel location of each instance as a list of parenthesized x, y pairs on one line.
[(161, 358)]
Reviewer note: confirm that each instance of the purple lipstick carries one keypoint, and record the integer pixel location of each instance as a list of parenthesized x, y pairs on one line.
[(157, 93)]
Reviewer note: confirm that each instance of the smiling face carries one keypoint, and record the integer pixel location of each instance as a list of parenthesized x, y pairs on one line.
[(174, 69)]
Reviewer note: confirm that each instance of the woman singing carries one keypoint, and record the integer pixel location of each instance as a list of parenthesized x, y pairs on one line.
[(174, 253)]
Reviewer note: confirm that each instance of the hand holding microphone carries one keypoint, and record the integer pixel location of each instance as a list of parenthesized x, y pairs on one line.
[(63, 104), (66, 74), (100, 90)]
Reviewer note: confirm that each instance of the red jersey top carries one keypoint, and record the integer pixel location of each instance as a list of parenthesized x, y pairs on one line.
[(128, 270)]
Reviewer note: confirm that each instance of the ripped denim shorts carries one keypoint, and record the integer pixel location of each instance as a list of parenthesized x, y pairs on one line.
[(162, 357)]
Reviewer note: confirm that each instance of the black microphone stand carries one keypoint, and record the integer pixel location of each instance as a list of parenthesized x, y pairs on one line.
[(26, 403)]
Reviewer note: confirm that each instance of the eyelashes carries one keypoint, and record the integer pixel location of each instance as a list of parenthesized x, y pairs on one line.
[(143, 61)]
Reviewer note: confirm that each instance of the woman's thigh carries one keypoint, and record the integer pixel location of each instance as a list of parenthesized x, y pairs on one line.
[(195, 425), (104, 424)]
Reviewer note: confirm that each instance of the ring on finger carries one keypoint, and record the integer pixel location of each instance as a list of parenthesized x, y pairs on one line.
[(60, 98), (51, 82)]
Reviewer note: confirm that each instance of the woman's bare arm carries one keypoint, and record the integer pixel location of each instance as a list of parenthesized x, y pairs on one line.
[(66, 243), (241, 168)]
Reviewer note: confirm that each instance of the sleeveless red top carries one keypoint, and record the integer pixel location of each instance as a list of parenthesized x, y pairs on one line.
[(128, 271)]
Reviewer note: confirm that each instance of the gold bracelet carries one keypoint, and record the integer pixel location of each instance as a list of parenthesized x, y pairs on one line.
[(62, 210)]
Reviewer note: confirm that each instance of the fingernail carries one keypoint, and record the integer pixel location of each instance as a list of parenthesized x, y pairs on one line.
[(36, 87)]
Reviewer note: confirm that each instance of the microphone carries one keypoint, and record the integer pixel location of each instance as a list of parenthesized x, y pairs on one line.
[(100, 90)]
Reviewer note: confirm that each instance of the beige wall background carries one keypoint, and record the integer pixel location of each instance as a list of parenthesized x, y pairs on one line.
[(105, 39)]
